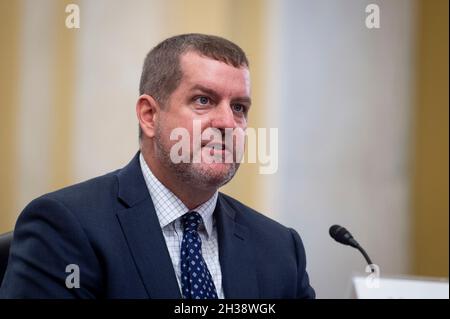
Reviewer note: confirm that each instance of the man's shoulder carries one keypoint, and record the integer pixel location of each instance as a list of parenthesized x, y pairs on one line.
[(93, 193), (100, 189), (249, 216)]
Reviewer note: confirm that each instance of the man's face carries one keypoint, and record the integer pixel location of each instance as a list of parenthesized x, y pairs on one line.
[(215, 95)]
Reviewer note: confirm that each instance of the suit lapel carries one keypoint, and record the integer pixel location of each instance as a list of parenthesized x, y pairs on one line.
[(142, 231), (238, 267)]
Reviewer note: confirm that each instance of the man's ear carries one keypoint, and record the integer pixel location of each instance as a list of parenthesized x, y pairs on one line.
[(147, 111)]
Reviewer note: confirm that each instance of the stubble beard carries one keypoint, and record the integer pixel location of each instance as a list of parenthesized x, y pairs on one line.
[(198, 175)]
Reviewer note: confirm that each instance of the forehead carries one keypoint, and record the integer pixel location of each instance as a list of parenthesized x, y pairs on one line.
[(217, 75)]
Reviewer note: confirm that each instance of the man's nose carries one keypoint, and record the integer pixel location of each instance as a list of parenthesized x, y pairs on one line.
[(223, 117)]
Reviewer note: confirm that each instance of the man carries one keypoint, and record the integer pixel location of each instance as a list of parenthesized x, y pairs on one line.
[(158, 228)]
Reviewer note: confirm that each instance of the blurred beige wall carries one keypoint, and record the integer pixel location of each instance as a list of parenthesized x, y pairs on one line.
[(431, 161), (9, 66), (45, 101)]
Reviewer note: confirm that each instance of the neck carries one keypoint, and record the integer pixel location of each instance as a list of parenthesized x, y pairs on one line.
[(191, 195)]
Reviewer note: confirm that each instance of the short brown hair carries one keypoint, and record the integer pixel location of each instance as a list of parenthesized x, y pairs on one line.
[(162, 73)]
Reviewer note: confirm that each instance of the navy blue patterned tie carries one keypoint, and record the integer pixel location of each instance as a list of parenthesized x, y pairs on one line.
[(196, 281)]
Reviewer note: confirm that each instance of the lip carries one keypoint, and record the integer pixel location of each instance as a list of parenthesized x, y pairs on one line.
[(216, 146), (217, 149)]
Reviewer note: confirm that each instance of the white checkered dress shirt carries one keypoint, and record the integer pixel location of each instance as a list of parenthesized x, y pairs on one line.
[(169, 210)]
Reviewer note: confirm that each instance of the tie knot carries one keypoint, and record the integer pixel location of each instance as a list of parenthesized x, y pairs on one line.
[(191, 221)]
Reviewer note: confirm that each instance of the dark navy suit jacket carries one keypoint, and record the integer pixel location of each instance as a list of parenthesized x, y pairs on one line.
[(108, 227)]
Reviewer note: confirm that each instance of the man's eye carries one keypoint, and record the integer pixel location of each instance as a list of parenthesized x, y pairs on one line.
[(238, 108), (203, 100)]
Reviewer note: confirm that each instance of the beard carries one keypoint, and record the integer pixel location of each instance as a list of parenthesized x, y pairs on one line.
[(202, 174)]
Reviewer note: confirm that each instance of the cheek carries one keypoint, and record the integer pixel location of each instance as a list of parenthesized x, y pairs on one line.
[(174, 124), (165, 127), (185, 120)]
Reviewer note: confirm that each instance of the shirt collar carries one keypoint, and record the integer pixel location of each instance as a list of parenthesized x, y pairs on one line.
[(169, 207)]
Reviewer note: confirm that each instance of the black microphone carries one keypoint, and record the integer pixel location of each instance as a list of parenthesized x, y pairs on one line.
[(343, 236)]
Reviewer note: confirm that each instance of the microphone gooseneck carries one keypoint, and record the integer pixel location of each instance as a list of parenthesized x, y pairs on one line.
[(343, 236)]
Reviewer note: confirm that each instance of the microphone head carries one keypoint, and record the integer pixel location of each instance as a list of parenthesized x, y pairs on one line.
[(343, 236)]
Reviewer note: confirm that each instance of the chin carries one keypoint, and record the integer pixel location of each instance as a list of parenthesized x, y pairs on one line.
[(216, 174)]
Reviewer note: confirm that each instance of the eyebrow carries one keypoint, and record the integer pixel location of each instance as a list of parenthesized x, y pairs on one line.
[(214, 94)]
